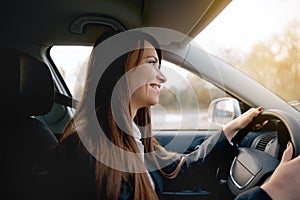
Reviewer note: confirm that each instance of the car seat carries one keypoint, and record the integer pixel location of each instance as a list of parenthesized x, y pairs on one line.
[(27, 90)]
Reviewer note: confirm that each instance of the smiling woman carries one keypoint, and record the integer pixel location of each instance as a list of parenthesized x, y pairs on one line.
[(109, 143)]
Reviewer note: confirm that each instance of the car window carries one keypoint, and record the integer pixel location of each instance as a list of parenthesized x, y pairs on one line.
[(261, 39), (184, 98), (71, 61)]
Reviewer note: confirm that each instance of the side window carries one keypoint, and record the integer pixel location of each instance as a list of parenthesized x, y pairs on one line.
[(72, 61), (184, 98)]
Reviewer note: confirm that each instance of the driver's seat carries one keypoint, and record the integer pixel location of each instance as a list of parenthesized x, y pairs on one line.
[(27, 91)]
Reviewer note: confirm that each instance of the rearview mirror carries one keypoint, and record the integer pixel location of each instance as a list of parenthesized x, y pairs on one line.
[(223, 110)]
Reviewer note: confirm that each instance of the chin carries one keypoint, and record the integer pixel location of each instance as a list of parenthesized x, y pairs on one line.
[(153, 103)]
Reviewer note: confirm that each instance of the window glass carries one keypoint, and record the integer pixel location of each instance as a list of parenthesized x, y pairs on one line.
[(261, 39), (72, 61), (184, 98)]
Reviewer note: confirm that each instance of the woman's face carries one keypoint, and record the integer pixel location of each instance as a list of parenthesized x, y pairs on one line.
[(145, 79)]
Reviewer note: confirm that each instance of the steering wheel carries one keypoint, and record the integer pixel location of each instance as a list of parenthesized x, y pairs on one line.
[(251, 167)]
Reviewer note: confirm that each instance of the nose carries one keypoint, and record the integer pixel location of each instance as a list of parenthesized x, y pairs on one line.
[(161, 77)]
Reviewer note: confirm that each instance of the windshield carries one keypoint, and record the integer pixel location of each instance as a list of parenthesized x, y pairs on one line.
[(261, 39)]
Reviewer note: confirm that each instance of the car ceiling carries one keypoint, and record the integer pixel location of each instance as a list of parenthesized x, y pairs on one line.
[(49, 22)]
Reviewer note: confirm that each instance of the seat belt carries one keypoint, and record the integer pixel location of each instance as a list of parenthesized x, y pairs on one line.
[(65, 100)]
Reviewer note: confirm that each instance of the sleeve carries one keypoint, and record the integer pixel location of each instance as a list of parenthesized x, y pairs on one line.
[(200, 167), (253, 194)]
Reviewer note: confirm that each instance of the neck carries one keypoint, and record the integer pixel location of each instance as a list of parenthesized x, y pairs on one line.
[(133, 110)]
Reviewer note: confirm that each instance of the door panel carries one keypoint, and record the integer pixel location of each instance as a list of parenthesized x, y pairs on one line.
[(185, 141), (182, 141)]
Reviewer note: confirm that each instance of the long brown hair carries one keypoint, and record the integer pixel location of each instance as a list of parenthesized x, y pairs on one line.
[(109, 177)]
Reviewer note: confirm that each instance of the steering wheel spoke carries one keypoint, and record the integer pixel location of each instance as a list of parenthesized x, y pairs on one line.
[(249, 168)]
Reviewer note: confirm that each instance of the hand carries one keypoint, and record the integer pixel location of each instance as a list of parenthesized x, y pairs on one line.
[(241, 122), (285, 181)]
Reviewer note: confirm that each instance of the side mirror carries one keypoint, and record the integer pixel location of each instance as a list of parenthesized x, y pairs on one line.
[(223, 110)]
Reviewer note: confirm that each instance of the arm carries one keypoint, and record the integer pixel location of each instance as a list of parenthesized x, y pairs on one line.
[(285, 181), (201, 166)]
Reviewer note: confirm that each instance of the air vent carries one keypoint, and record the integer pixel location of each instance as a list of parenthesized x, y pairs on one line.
[(263, 142)]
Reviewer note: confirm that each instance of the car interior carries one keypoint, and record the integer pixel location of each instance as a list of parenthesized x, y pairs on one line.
[(37, 103)]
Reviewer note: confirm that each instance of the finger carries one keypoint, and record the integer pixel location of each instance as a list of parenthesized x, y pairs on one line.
[(265, 122), (288, 153), (259, 126), (260, 108), (257, 111)]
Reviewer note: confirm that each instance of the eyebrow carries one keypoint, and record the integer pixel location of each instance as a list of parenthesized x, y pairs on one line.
[(156, 59)]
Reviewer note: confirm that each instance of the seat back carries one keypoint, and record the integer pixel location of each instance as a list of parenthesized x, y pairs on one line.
[(27, 91)]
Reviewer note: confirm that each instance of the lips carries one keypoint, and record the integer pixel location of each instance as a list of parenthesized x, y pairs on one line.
[(155, 86)]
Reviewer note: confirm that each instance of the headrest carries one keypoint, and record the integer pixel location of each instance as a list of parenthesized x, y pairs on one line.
[(27, 83)]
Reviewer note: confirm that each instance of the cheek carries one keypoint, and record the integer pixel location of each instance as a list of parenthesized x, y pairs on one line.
[(139, 77), (140, 95), (144, 96)]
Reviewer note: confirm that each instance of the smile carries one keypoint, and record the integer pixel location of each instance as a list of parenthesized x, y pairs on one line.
[(155, 86)]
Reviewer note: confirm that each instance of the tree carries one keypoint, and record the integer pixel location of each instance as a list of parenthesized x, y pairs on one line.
[(274, 63)]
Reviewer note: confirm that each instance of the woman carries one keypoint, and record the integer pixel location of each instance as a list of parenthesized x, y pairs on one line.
[(116, 156)]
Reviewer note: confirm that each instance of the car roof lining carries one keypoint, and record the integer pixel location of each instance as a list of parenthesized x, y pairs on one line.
[(50, 22)]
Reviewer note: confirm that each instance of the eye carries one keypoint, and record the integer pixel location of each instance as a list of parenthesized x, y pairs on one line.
[(153, 62)]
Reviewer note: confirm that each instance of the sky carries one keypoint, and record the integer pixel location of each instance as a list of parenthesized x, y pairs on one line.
[(244, 22)]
